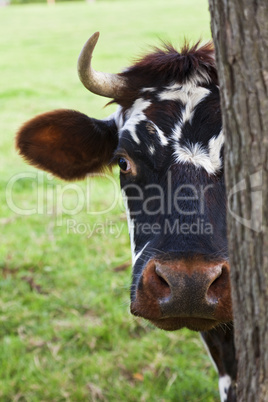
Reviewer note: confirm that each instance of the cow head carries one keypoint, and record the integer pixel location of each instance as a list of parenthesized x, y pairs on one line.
[(167, 139)]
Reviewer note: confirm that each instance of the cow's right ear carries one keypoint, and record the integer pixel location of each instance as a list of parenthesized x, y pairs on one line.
[(67, 143)]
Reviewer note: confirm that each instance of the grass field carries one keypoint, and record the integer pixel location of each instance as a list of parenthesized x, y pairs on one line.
[(66, 332)]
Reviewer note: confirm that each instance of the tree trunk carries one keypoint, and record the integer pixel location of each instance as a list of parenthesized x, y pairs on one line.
[(240, 33)]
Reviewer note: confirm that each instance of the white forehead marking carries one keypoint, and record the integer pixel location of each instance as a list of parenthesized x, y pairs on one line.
[(170, 93), (134, 116), (195, 153), (196, 95), (163, 139), (215, 146), (224, 385), (176, 132), (188, 94), (207, 157), (200, 77)]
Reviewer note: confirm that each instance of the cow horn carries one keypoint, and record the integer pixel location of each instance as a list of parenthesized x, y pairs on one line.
[(104, 84)]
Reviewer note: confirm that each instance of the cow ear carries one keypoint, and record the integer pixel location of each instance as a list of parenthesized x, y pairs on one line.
[(67, 143)]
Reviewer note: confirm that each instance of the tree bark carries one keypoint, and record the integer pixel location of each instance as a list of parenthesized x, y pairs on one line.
[(240, 33)]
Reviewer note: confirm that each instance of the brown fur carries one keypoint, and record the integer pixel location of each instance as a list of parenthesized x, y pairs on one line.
[(67, 143), (166, 66)]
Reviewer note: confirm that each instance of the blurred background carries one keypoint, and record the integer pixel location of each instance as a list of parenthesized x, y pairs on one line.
[(65, 327)]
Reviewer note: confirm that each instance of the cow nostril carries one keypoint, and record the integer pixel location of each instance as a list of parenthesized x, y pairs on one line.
[(163, 281), (216, 280), (161, 275), (217, 284)]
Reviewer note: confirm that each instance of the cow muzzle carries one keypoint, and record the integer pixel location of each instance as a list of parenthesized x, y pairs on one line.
[(194, 294)]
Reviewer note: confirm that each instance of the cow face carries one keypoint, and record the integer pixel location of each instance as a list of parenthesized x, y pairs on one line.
[(167, 139), (170, 155)]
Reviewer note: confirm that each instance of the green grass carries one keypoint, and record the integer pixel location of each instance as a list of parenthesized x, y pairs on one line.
[(66, 332)]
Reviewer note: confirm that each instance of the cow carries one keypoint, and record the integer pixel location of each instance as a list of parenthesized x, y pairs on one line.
[(166, 137)]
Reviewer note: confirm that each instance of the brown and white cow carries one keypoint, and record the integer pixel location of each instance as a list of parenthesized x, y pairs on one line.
[(167, 139)]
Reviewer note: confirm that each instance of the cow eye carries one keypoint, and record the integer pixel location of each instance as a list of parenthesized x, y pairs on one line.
[(124, 165)]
